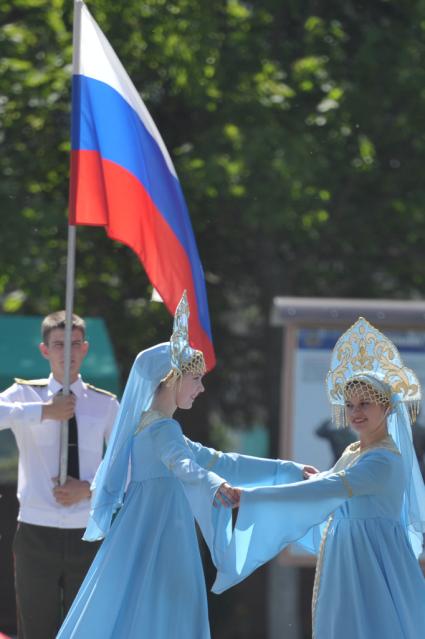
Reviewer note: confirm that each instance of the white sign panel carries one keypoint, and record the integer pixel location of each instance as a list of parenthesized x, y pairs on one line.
[(311, 407)]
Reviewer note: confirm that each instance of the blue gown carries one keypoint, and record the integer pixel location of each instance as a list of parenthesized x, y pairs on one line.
[(147, 579), (369, 584)]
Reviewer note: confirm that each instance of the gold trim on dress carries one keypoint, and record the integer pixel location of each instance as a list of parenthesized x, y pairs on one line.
[(387, 443), (318, 574), (147, 418)]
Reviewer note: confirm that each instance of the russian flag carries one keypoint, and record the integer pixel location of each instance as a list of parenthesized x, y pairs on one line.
[(122, 177)]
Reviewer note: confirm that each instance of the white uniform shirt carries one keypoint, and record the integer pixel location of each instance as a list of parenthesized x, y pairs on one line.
[(38, 444)]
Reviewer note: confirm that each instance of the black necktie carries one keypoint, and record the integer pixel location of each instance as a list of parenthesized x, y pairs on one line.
[(73, 461)]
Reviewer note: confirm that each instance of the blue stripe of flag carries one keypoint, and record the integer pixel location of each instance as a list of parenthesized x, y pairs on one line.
[(103, 121)]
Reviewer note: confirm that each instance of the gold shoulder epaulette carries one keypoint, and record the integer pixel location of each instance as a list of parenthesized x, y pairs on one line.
[(32, 382), (100, 390)]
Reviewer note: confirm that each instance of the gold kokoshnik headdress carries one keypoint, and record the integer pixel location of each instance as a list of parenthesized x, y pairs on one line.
[(184, 358), (366, 362)]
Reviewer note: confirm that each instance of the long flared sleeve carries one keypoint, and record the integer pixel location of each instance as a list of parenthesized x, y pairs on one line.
[(272, 517), (245, 471), (199, 484)]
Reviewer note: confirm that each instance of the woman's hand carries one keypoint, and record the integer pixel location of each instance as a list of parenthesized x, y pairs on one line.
[(227, 496), (309, 471)]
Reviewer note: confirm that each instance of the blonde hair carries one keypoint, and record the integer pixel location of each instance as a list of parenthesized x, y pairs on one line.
[(195, 365)]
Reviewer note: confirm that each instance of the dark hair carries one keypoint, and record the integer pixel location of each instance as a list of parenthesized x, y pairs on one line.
[(57, 320)]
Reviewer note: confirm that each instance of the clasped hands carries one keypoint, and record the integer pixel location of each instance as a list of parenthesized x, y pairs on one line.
[(230, 497), (309, 471), (227, 496)]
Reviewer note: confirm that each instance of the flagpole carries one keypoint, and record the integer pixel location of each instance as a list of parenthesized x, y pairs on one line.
[(69, 306), (70, 276)]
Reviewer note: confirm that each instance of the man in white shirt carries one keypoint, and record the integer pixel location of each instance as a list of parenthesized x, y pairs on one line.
[(51, 559)]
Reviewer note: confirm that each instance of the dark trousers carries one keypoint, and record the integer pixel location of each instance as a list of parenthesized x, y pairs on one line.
[(50, 565)]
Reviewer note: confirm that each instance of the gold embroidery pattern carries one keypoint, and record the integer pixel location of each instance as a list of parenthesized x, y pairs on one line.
[(387, 444), (358, 350), (318, 574)]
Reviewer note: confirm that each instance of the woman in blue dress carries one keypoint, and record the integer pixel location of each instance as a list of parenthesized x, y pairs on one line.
[(365, 517), (147, 579)]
